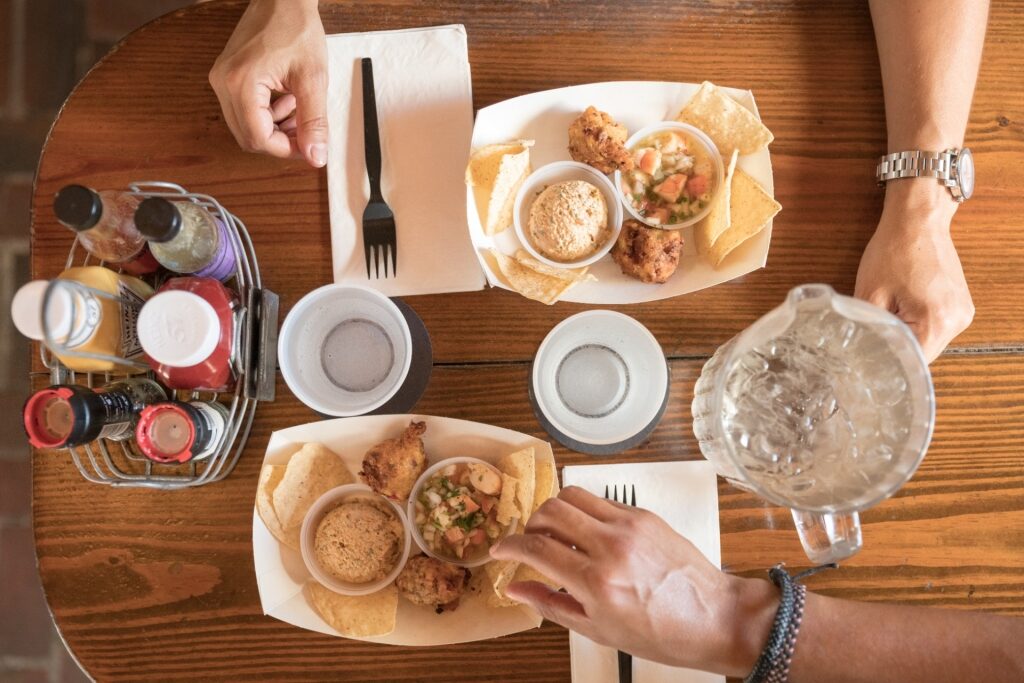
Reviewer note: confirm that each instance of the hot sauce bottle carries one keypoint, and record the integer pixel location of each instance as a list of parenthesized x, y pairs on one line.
[(177, 432), (188, 333), (105, 224), (186, 238), (66, 415)]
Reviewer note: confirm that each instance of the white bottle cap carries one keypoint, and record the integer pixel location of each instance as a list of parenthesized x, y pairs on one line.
[(179, 329), (63, 319), (27, 309)]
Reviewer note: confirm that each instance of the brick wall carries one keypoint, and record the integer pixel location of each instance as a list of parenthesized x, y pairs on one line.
[(45, 48)]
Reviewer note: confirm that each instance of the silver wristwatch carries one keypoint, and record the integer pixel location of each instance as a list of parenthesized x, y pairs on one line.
[(953, 168)]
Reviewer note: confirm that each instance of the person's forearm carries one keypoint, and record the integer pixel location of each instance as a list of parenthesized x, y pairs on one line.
[(856, 642), (305, 4), (929, 51)]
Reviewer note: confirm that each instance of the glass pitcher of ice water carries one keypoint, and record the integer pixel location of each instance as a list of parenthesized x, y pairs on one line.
[(825, 406)]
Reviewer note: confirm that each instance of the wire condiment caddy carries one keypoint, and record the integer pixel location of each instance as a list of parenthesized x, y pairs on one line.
[(121, 463)]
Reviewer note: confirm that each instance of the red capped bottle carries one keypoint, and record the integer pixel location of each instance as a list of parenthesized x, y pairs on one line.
[(105, 224), (176, 432), (188, 332), (67, 415)]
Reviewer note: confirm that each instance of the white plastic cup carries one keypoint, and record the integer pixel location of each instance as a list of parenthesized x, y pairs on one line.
[(411, 513), (307, 539), (345, 350), (599, 377)]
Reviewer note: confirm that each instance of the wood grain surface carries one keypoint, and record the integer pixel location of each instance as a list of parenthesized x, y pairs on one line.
[(147, 111), (159, 586)]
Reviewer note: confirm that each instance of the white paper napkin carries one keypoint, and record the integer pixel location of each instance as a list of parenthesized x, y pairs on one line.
[(425, 114), (684, 494)]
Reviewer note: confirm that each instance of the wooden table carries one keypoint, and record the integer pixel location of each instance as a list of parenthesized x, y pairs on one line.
[(159, 586)]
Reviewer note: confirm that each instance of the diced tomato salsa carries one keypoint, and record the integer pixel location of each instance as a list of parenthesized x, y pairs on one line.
[(672, 180), (457, 509)]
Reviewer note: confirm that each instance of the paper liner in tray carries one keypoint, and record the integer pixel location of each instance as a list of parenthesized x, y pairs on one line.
[(282, 576)]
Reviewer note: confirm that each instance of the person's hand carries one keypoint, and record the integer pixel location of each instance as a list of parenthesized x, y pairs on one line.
[(911, 268), (635, 584), (277, 47)]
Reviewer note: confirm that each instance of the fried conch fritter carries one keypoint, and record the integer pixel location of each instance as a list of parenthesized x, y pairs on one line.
[(648, 254), (429, 582), (595, 139)]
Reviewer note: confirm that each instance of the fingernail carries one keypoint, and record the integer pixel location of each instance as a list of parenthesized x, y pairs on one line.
[(318, 153), (494, 547)]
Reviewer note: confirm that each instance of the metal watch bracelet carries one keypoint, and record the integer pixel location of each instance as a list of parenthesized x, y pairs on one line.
[(913, 164), (953, 168)]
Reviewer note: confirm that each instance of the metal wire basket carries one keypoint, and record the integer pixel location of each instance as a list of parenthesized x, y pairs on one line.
[(121, 463)]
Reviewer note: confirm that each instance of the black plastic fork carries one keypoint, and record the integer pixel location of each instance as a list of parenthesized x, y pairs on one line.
[(378, 220), (625, 659)]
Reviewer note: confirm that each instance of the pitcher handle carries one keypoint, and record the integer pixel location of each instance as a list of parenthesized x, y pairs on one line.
[(828, 537)]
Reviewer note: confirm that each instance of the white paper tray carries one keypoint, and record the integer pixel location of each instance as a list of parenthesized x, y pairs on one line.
[(545, 117), (281, 575)]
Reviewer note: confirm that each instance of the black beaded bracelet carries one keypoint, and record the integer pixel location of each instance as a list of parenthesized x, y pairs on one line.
[(773, 664)]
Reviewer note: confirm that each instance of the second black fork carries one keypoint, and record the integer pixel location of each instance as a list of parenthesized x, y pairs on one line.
[(625, 659)]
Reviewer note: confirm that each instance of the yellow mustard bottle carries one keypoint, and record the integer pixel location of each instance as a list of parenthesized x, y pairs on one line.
[(86, 316)]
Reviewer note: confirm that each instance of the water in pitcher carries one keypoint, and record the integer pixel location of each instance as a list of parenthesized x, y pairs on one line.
[(816, 416), (824, 405)]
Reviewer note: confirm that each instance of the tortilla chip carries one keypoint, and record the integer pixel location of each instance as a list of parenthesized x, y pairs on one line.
[(358, 616), (751, 208), (310, 473), (727, 122), (711, 227), (495, 173), (546, 484), (567, 274), (500, 573), (521, 465), (507, 509), (535, 280), (270, 477), (523, 572)]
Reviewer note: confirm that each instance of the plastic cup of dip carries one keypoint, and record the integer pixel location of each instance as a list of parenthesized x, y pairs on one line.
[(560, 172), (325, 504)]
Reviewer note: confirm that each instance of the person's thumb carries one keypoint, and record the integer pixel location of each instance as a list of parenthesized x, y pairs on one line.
[(310, 90)]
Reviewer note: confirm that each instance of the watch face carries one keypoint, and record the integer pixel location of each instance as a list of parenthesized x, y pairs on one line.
[(965, 173)]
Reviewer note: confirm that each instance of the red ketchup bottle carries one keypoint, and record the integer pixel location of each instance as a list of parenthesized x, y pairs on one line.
[(188, 333)]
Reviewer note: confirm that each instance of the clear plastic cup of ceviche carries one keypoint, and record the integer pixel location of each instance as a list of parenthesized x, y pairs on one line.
[(481, 556), (707, 146)]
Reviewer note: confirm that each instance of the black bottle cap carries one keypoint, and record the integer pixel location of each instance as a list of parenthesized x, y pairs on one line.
[(78, 207), (158, 219)]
